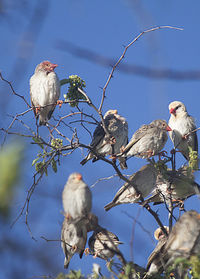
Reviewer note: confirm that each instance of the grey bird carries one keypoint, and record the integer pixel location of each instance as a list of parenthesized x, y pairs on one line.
[(182, 124), (73, 238), (104, 244), (144, 180), (182, 242), (154, 264), (173, 185), (117, 127), (184, 239), (148, 140), (44, 91), (76, 197)]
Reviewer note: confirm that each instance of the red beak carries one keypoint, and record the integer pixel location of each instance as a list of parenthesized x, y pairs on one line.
[(172, 111), (53, 66), (79, 176), (168, 128)]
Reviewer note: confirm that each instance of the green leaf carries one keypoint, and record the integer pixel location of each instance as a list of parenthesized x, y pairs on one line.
[(35, 161), (54, 165)]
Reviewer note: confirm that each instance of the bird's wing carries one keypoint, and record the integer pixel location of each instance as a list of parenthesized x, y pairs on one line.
[(97, 136), (143, 130), (158, 249), (192, 138)]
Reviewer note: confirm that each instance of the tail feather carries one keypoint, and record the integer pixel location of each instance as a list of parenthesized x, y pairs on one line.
[(86, 159), (66, 262), (123, 164), (109, 206)]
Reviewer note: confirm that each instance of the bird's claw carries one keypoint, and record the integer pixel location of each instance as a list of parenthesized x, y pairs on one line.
[(59, 103), (37, 110), (87, 251)]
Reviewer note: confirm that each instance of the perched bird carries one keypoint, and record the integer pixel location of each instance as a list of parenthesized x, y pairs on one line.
[(148, 140), (44, 91), (76, 197), (154, 264), (182, 124), (117, 127), (184, 239), (144, 180), (73, 238), (173, 185), (103, 244)]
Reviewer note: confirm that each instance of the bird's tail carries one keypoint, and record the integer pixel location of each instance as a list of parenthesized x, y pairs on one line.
[(86, 159), (42, 120), (123, 164), (66, 262), (109, 206)]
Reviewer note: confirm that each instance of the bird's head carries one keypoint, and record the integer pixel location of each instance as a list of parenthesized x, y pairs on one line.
[(158, 234), (46, 66), (75, 177), (162, 124), (176, 108)]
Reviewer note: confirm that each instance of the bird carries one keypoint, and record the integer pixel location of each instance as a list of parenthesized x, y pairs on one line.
[(173, 185), (144, 180), (148, 140), (117, 127), (182, 125), (104, 244), (154, 264), (184, 239), (44, 91), (76, 197), (73, 238)]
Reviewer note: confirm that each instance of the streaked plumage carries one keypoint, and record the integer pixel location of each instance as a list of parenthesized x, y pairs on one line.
[(44, 90), (148, 140), (74, 233), (181, 124), (181, 183), (76, 196), (117, 126), (154, 264), (145, 181), (103, 243)]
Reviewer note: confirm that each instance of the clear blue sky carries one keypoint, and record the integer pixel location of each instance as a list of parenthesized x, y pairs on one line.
[(103, 27)]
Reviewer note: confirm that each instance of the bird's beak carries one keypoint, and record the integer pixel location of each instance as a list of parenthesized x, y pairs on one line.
[(53, 66), (168, 128), (172, 111), (79, 176)]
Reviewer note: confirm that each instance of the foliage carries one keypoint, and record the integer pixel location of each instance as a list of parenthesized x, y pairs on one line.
[(73, 94), (10, 163)]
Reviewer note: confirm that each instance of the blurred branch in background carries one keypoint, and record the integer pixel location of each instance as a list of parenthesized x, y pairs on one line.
[(146, 72)]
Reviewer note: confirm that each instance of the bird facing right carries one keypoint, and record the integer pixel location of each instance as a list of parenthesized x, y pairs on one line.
[(148, 140), (44, 91), (77, 197), (182, 125)]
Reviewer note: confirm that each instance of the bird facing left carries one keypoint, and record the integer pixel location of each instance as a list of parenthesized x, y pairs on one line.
[(44, 91)]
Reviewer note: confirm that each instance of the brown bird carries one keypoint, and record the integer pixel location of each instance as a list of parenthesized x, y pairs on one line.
[(154, 264), (148, 140), (44, 91), (144, 180), (173, 185), (73, 238), (77, 197), (182, 124), (184, 239), (117, 127), (103, 244)]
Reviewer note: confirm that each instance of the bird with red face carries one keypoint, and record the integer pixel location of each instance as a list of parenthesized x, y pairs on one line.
[(182, 125), (44, 91)]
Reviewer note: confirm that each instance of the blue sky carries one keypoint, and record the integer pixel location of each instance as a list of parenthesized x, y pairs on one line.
[(103, 27)]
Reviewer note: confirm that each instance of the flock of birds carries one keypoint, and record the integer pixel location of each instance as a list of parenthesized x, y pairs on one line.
[(149, 140)]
